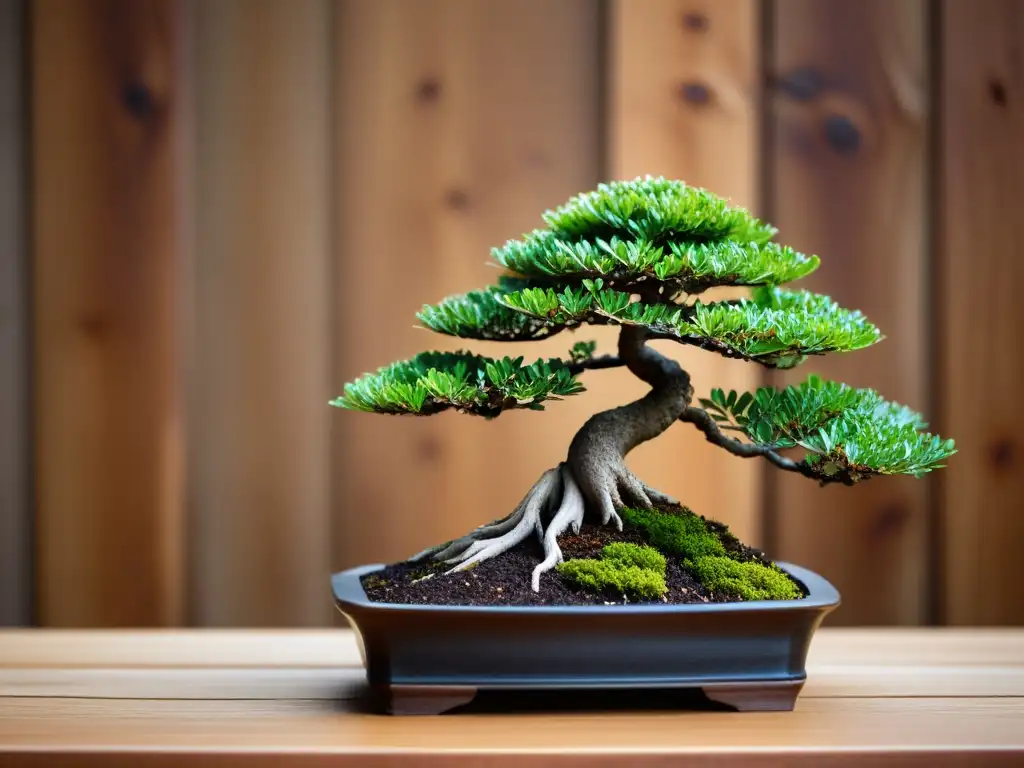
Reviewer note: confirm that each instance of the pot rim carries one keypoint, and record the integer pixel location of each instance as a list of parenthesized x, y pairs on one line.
[(348, 590)]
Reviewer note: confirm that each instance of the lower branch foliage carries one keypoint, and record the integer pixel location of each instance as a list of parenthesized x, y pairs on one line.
[(436, 381), (848, 434)]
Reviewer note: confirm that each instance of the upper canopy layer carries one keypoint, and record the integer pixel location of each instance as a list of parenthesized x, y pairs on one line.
[(849, 434), (776, 328), (654, 231), (655, 208), (679, 265), (436, 381)]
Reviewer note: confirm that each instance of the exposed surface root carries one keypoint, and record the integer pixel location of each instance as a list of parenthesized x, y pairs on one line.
[(569, 515), (659, 498), (529, 520), (458, 546), (594, 474), (555, 504)]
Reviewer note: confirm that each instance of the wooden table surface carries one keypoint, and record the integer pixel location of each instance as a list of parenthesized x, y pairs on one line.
[(892, 697)]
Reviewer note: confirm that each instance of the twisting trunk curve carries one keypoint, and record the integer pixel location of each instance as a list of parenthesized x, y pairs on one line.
[(594, 476)]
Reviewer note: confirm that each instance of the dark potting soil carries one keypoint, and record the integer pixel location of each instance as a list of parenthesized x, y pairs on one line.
[(505, 580)]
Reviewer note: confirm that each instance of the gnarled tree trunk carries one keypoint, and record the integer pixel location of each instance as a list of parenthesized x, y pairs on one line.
[(594, 476)]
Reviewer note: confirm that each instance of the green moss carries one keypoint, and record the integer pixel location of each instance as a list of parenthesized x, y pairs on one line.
[(626, 554), (612, 575), (746, 580), (374, 581), (632, 569), (705, 549), (685, 535)]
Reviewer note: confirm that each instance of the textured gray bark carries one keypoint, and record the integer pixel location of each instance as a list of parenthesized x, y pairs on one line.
[(597, 451), (594, 476)]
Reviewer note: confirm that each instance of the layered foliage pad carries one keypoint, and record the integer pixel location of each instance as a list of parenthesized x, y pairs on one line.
[(655, 208), (678, 266), (701, 550), (483, 315), (849, 434), (437, 381), (635, 233), (776, 328)]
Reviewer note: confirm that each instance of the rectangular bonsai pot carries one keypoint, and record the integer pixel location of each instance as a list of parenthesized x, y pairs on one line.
[(429, 658)]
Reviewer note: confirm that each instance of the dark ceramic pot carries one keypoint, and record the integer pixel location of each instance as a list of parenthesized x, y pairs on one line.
[(423, 659)]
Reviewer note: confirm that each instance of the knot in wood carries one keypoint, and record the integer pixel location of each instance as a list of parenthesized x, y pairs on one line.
[(138, 99), (695, 93), (842, 134)]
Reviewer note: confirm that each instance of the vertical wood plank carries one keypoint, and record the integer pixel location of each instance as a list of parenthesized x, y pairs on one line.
[(849, 141), (106, 215), (259, 422), (458, 123), (15, 512), (980, 365), (684, 103)]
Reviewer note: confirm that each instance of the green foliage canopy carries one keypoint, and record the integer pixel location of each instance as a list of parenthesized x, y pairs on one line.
[(634, 253), (655, 208), (679, 266), (776, 328)]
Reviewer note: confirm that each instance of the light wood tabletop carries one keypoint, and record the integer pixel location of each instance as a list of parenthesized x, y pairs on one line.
[(887, 697)]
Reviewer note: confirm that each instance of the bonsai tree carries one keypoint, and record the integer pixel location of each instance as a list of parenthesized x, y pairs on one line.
[(638, 254)]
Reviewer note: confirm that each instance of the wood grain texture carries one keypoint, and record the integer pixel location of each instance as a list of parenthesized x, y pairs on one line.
[(978, 309), (106, 153), (983, 757), (259, 421), (458, 123), (941, 728), (226, 648), (879, 698), (848, 165), (15, 446), (684, 103), (232, 649), (349, 683)]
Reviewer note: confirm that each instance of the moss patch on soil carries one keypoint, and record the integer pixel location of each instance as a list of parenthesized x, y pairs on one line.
[(635, 570), (744, 580), (702, 548), (684, 534), (505, 580)]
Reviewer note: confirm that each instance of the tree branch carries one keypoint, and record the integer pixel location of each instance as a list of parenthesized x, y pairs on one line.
[(595, 363), (649, 365), (703, 421)]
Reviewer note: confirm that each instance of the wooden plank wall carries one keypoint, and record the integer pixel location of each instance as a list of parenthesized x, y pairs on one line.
[(107, 186), (978, 309), (466, 120), (15, 520), (847, 146), (684, 102), (259, 473), (231, 217)]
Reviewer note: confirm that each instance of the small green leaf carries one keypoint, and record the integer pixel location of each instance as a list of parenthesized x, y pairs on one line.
[(743, 403), (764, 433)]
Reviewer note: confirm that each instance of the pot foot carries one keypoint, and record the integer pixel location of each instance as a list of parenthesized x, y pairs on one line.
[(768, 696)]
